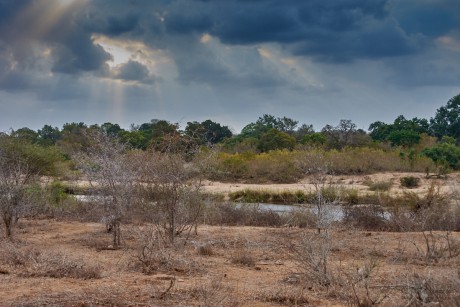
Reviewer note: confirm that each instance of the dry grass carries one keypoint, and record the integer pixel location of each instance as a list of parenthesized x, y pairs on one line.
[(236, 266)]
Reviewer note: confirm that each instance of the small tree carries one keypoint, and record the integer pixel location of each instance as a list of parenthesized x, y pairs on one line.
[(21, 164), (324, 192), (171, 190), (112, 175)]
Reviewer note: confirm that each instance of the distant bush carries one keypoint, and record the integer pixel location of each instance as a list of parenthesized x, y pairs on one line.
[(410, 182), (282, 166), (382, 186)]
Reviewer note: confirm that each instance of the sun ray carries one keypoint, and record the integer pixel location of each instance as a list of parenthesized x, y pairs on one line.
[(41, 16)]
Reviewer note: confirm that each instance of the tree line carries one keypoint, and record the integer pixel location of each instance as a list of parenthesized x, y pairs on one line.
[(437, 138)]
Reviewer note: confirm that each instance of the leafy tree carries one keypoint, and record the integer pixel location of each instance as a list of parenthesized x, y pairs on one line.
[(207, 132), (444, 154), (48, 135), (316, 139), (379, 131), (266, 122), (446, 121), (21, 165), (274, 139), (402, 132), (405, 138), (111, 129), (25, 134), (74, 137), (303, 131)]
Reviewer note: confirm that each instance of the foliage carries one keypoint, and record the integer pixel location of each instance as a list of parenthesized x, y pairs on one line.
[(410, 182), (446, 121), (274, 139), (402, 132), (21, 164), (207, 132), (444, 154)]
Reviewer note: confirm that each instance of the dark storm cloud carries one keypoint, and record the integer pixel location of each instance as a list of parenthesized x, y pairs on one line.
[(284, 49), (133, 71), (430, 18)]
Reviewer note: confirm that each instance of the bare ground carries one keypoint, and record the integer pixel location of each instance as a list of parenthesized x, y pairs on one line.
[(64, 263), (241, 266)]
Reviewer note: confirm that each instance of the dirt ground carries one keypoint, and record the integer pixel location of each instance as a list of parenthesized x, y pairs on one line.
[(69, 263), (223, 266)]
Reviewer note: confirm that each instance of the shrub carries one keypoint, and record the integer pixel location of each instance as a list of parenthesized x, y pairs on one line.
[(410, 182), (381, 186), (243, 258)]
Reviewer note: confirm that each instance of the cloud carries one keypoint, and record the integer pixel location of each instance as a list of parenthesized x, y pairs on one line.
[(133, 71), (314, 56)]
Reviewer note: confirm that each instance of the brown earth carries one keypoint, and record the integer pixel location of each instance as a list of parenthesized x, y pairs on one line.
[(242, 266), (68, 263)]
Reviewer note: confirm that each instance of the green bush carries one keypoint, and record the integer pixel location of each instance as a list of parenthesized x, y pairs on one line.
[(410, 182)]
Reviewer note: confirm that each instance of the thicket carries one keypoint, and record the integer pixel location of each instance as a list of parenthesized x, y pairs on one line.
[(284, 166)]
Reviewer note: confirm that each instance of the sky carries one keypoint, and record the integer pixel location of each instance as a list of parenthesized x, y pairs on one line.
[(231, 61)]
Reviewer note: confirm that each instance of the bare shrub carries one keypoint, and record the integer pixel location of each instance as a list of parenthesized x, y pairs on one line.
[(112, 176), (32, 262), (243, 214), (422, 290), (381, 186), (171, 192), (360, 283), (301, 217), (213, 293), (312, 256), (152, 254), (286, 295), (431, 211), (205, 250), (242, 257), (365, 217), (437, 246)]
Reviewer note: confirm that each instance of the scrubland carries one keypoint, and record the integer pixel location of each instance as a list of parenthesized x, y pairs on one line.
[(408, 255)]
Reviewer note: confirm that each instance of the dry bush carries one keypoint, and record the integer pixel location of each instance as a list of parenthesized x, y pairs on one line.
[(301, 217), (365, 217), (243, 215), (32, 262), (312, 257), (213, 293), (381, 186), (243, 257), (286, 295), (427, 290), (410, 182), (437, 246), (205, 250), (152, 254), (431, 211)]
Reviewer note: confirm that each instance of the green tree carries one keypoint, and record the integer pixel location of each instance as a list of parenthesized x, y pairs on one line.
[(404, 138), (274, 139), (207, 132), (25, 134), (446, 121), (48, 135), (21, 165), (444, 154)]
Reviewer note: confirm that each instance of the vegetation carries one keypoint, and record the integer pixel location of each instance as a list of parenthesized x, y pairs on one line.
[(145, 186)]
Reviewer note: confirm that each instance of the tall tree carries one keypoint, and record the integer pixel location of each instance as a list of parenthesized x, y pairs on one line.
[(446, 121)]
